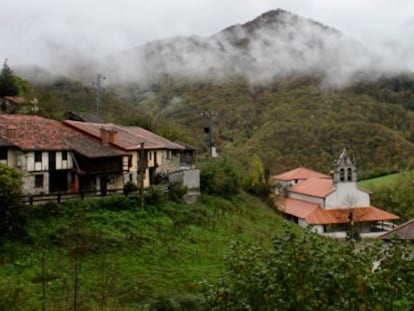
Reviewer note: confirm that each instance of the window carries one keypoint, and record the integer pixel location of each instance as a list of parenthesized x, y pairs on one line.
[(3, 154), (38, 156), (168, 154), (149, 156), (349, 174), (64, 155), (342, 175), (38, 181)]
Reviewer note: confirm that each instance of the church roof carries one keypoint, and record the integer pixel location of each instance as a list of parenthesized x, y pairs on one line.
[(313, 214), (342, 215), (316, 187), (300, 173), (298, 208)]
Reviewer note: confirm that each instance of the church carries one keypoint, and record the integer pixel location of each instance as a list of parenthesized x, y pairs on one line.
[(330, 205)]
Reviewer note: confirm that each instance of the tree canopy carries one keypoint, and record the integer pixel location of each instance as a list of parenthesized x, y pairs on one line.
[(10, 191), (8, 85)]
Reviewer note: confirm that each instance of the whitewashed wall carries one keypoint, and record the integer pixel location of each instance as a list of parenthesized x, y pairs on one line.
[(347, 195)]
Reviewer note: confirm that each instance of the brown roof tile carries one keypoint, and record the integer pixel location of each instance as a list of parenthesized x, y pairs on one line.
[(127, 137), (37, 133)]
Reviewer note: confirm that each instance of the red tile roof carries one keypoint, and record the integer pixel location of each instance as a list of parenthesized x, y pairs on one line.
[(405, 231), (298, 208), (316, 187), (37, 133), (34, 132), (314, 214), (359, 214), (127, 137), (300, 173)]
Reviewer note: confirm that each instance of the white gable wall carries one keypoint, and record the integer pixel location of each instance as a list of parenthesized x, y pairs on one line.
[(346, 195)]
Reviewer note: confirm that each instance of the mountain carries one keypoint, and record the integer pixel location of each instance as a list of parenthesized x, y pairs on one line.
[(275, 44)]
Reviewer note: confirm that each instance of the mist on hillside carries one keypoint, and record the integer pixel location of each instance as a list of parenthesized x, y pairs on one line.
[(277, 44)]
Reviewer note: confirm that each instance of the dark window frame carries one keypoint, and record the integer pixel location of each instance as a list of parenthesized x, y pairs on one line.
[(64, 155), (38, 156), (3, 154), (39, 181)]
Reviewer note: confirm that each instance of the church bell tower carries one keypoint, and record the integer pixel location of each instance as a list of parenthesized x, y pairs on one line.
[(344, 170)]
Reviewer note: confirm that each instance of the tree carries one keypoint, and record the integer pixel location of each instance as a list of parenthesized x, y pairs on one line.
[(305, 272), (11, 216), (8, 85)]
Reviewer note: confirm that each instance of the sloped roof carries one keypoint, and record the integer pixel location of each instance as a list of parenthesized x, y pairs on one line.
[(314, 214), (83, 117), (15, 99), (298, 208), (316, 187), (300, 173), (37, 133), (404, 231), (4, 142), (342, 215), (127, 137)]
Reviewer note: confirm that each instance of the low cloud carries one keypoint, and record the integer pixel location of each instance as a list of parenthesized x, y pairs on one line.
[(277, 44)]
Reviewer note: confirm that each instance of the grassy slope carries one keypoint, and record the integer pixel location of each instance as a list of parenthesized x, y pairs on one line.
[(378, 182), (138, 256)]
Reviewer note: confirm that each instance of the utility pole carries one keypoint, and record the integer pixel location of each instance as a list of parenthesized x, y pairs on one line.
[(141, 169), (98, 85), (210, 115)]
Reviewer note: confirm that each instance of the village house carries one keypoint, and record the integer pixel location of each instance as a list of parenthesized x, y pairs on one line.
[(18, 104), (53, 157), (161, 156), (330, 205)]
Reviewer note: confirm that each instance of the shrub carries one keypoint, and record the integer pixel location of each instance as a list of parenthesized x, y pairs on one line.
[(11, 210), (130, 187), (177, 191), (220, 177), (155, 195)]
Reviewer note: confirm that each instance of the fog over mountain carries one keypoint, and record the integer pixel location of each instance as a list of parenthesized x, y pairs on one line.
[(276, 44)]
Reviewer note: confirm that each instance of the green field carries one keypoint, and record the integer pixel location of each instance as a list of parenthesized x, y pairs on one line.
[(379, 182), (128, 258)]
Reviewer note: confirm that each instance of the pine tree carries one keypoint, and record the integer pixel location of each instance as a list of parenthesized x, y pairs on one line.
[(8, 86)]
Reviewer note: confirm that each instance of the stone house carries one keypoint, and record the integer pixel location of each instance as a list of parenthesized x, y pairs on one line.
[(52, 157), (161, 156)]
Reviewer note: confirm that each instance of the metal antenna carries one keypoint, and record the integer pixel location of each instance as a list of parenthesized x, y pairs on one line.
[(99, 78)]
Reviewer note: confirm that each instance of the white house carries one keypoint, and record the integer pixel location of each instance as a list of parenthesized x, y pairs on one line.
[(331, 205)]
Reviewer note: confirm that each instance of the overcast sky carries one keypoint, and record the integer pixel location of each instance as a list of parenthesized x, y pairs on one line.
[(31, 30)]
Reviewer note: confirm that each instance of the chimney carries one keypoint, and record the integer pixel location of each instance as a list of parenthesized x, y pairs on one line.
[(104, 136), (112, 136), (11, 132), (108, 135)]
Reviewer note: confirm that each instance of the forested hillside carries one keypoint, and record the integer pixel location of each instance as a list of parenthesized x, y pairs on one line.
[(295, 121)]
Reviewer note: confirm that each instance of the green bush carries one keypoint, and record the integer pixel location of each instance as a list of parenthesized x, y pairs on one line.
[(177, 191), (155, 195), (130, 187), (12, 215), (220, 176)]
